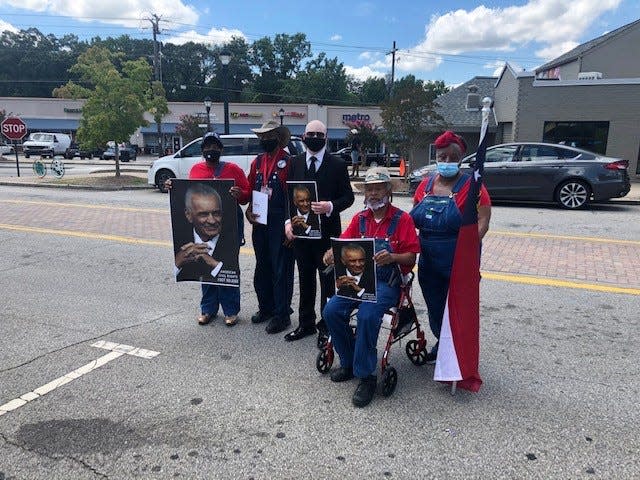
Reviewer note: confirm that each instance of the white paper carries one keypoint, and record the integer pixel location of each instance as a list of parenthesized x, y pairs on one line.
[(260, 206)]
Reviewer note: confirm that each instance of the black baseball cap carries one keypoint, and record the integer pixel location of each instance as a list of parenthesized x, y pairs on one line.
[(211, 137)]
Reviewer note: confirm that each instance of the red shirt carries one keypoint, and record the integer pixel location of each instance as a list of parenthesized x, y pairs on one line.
[(229, 171), (459, 197), (403, 240), (268, 165)]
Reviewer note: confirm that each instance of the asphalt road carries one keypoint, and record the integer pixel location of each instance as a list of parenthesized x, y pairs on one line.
[(559, 364)]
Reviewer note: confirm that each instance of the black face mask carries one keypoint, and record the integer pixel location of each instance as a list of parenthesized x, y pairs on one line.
[(211, 155), (269, 145), (314, 144)]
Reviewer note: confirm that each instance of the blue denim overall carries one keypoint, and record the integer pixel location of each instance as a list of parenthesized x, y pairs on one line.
[(438, 220), (273, 277), (216, 296), (360, 352)]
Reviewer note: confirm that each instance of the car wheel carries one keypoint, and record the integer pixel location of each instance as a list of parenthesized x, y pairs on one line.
[(161, 177), (373, 163), (573, 194)]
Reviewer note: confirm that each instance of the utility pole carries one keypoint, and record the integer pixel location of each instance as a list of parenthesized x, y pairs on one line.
[(157, 70), (393, 67)]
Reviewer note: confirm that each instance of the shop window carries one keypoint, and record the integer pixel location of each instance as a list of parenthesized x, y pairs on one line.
[(591, 136)]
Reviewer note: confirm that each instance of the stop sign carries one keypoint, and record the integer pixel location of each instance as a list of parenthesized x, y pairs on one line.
[(14, 128)]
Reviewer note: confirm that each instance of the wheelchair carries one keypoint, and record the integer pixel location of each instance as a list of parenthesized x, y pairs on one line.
[(399, 321)]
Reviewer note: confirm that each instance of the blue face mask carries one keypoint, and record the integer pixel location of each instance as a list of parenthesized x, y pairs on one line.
[(448, 170)]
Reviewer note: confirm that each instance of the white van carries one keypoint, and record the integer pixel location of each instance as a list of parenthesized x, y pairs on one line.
[(240, 149), (46, 144)]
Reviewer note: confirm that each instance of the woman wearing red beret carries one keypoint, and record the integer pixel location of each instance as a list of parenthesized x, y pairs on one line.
[(437, 215)]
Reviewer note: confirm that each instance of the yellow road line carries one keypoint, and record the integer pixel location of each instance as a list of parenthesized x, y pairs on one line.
[(562, 237), (85, 205), (502, 277), (551, 282)]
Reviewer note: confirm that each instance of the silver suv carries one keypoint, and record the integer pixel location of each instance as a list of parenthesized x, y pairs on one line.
[(240, 149)]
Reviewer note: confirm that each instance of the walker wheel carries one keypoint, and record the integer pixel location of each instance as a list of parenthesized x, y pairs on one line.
[(417, 355), (324, 360), (389, 381), (322, 341)]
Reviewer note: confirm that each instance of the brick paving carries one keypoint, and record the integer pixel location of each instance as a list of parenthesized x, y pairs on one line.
[(580, 260)]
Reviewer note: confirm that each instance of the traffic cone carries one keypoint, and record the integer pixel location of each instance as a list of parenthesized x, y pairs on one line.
[(403, 168)]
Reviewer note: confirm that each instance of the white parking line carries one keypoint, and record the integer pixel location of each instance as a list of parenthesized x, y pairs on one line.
[(117, 350)]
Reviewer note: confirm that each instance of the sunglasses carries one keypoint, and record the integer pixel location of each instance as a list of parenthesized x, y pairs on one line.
[(314, 134)]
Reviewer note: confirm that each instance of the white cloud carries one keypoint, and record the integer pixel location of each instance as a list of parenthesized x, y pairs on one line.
[(212, 37), (553, 23), (555, 50), (128, 13), (496, 65), (5, 26), (362, 73), (336, 37), (369, 56)]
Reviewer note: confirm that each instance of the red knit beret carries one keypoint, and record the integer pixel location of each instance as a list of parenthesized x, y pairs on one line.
[(447, 138)]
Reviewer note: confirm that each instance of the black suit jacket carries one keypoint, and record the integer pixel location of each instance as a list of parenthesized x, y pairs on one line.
[(332, 179), (200, 271)]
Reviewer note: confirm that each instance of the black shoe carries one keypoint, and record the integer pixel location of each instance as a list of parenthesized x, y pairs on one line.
[(365, 391), (431, 357), (341, 374), (299, 333), (277, 324), (259, 317)]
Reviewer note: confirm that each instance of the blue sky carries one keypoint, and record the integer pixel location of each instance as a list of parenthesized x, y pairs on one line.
[(450, 41)]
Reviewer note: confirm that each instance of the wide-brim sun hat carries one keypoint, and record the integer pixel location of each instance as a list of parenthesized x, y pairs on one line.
[(284, 135), (379, 175)]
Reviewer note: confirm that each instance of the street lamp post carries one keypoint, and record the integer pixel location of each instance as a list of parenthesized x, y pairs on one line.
[(207, 106), (225, 58), (281, 112)]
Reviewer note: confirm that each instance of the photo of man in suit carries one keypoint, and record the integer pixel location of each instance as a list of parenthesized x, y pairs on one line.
[(334, 196), (206, 248), (355, 277), (304, 222)]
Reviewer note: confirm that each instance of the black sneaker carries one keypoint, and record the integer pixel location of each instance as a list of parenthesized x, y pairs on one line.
[(341, 374), (431, 357), (259, 317), (365, 391), (278, 324)]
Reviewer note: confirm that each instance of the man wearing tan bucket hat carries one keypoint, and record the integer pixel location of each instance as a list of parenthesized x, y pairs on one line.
[(273, 277)]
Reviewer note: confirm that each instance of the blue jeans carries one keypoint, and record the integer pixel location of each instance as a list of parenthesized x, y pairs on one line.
[(214, 296), (360, 352)]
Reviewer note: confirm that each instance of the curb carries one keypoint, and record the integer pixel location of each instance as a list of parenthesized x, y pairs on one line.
[(78, 187)]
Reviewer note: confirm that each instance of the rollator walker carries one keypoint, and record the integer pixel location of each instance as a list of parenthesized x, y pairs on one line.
[(399, 321)]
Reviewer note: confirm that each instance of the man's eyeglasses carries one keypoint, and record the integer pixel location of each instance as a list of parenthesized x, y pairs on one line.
[(314, 134)]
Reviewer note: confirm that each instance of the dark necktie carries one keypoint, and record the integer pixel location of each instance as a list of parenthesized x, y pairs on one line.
[(312, 167)]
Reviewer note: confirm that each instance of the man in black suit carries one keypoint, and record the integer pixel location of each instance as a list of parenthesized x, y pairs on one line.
[(334, 195), (305, 223), (357, 280), (204, 250)]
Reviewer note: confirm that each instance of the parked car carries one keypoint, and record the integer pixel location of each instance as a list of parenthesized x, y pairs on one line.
[(240, 149), (46, 144), (546, 172), (6, 149), (74, 150), (125, 154), (373, 159)]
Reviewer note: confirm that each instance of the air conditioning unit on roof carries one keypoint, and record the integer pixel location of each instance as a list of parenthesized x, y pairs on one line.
[(589, 75)]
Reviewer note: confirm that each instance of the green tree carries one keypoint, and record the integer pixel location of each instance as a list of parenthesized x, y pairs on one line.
[(373, 91), (238, 71), (189, 127), (274, 62), (115, 106), (157, 106), (186, 70), (323, 81), (409, 119)]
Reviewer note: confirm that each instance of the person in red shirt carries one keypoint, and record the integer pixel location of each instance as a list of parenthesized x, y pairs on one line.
[(216, 296), (273, 276), (396, 247), (437, 215)]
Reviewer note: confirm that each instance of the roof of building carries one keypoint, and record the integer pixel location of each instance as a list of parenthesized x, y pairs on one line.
[(452, 105), (585, 47)]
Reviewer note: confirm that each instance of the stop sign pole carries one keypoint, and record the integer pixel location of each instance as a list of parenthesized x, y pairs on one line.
[(14, 129)]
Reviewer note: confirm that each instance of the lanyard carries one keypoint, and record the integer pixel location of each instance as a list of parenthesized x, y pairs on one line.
[(267, 173)]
